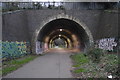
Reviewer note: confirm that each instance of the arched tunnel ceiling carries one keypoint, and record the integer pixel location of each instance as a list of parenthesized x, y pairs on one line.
[(62, 23), (74, 28), (63, 32), (62, 37)]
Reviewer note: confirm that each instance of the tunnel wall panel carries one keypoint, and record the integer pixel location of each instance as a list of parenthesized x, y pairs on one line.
[(36, 17), (88, 17), (21, 25), (15, 27), (108, 25)]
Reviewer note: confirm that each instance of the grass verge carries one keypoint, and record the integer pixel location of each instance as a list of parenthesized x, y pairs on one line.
[(84, 67), (9, 66)]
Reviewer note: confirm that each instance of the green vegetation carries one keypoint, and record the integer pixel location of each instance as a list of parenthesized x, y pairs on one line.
[(80, 70), (96, 64), (95, 54), (80, 59), (9, 66)]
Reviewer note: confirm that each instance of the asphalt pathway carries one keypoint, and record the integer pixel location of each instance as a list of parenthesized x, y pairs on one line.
[(50, 65)]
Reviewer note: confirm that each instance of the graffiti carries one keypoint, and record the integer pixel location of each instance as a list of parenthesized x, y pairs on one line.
[(45, 46), (16, 49), (107, 44), (0, 49), (39, 48)]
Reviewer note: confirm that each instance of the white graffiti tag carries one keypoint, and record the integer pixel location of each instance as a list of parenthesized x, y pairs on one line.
[(37, 47), (107, 44)]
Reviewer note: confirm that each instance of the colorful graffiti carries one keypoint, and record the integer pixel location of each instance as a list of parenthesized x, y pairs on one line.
[(107, 44), (39, 48), (0, 49), (11, 50)]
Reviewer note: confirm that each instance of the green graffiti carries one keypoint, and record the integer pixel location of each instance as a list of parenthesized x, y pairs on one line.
[(11, 50)]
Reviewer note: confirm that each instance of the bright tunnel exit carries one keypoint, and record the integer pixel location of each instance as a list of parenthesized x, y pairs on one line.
[(59, 40), (58, 43)]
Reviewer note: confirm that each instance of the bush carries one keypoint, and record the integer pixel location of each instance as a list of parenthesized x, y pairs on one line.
[(80, 58), (95, 54), (96, 63), (112, 64)]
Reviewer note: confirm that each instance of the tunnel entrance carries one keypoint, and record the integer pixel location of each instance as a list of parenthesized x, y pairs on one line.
[(62, 33)]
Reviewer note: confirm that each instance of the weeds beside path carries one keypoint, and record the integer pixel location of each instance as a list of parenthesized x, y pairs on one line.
[(84, 67), (12, 65)]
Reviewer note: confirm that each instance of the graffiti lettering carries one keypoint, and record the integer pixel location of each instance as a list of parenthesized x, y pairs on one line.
[(107, 44)]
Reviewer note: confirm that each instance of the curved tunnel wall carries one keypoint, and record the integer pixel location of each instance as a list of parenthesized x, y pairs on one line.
[(63, 37), (29, 23), (78, 30)]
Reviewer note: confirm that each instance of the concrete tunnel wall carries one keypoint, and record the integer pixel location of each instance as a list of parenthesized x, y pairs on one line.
[(21, 25), (78, 31)]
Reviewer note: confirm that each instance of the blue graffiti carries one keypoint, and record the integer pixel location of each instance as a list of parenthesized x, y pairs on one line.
[(11, 50)]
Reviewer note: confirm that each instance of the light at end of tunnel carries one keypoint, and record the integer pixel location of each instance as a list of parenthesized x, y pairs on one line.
[(59, 35), (60, 29), (59, 38)]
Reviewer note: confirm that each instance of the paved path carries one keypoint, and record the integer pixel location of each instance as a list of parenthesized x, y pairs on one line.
[(50, 65)]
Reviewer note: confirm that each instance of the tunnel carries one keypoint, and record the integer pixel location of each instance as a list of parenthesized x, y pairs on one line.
[(62, 33)]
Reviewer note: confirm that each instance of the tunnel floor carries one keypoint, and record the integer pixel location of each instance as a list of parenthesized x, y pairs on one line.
[(51, 65), (62, 50)]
